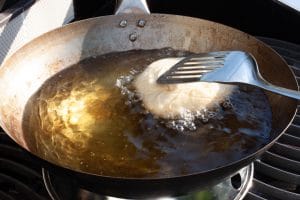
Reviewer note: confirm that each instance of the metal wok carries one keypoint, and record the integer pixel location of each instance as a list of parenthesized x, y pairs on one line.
[(26, 71)]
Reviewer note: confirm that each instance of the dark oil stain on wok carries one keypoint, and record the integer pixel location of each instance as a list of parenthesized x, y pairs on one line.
[(78, 119)]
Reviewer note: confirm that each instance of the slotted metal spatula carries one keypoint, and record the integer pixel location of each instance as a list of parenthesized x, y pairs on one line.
[(232, 67)]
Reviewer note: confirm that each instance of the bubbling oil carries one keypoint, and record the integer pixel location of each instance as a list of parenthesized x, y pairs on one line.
[(88, 118)]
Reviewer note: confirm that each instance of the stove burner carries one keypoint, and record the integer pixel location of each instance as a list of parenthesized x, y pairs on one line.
[(276, 174), (234, 187)]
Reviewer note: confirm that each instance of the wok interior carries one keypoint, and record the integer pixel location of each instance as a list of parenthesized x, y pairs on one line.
[(46, 56), (89, 118)]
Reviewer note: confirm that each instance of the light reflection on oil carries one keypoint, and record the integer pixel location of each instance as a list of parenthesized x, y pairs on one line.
[(73, 112)]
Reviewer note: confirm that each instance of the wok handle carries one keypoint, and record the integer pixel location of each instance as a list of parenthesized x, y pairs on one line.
[(132, 7)]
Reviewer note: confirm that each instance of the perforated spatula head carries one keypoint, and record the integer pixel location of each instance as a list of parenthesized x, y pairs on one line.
[(221, 66)]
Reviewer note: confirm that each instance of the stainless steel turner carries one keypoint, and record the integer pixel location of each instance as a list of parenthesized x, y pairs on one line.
[(232, 67)]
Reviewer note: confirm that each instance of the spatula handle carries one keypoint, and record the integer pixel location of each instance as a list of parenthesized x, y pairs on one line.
[(280, 90)]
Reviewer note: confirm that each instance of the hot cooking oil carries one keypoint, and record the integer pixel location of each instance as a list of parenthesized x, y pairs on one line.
[(88, 118)]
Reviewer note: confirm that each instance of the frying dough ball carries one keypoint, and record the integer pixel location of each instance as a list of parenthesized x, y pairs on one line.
[(174, 100)]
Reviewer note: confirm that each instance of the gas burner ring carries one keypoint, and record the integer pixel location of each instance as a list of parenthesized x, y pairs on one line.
[(234, 187)]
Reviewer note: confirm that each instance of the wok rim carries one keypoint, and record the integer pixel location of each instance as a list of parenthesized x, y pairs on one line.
[(251, 156)]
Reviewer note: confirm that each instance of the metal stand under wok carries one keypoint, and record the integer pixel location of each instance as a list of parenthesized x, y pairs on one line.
[(234, 187)]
